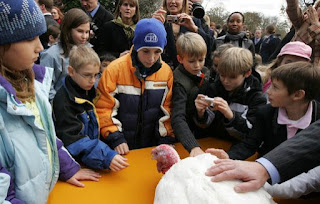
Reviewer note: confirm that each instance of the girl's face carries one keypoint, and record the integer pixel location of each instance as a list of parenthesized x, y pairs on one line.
[(127, 9), (174, 6), (290, 58), (21, 55), (278, 94), (235, 23), (55, 14), (149, 56), (80, 34)]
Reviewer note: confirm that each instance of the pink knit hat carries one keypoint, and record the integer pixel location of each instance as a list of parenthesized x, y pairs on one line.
[(296, 48)]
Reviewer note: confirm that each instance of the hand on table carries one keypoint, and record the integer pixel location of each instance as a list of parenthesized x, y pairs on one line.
[(196, 151), (122, 148), (220, 153), (118, 163), (83, 174), (253, 174)]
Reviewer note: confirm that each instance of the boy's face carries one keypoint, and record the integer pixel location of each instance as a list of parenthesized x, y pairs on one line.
[(231, 83), (149, 56), (104, 65), (86, 76), (192, 64), (278, 94)]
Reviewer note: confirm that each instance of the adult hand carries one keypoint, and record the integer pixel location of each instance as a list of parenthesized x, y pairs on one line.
[(253, 174), (196, 151), (118, 163), (223, 106), (220, 153), (201, 105), (160, 15), (312, 16), (122, 148), (83, 174), (186, 20)]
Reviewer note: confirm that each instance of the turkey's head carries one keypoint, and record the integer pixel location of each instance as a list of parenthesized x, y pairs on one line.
[(166, 156)]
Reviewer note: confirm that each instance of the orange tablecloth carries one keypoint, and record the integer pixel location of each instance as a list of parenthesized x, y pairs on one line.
[(135, 184)]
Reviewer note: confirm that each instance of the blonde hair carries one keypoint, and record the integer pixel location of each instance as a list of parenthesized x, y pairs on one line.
[(82, 55), (185, 6), (191, 44), (21, 81), (235, 61)]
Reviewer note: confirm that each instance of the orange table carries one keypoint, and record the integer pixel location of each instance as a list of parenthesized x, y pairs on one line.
[(135, 184)]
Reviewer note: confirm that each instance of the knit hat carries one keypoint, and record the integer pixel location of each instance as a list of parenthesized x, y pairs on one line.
[(149, 33), (20, 20), (296, 48)]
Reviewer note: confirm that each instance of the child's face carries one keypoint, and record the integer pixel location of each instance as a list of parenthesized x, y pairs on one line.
[(192, 64), (278, 94), (21, 55), (215, 63), (80, 34), (230, 83), (86, 76), (149, 56), (290, 58), (104, 65)]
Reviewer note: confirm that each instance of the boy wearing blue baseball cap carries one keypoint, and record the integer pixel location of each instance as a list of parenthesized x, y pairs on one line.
[(134, 93)]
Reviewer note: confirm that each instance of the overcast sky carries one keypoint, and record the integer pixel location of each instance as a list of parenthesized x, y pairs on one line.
[(267, 7)]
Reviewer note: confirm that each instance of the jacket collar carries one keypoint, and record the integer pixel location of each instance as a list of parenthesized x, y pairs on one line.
[(75, 91)]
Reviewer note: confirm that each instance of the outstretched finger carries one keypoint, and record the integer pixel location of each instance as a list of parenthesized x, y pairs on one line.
[(247, 186)]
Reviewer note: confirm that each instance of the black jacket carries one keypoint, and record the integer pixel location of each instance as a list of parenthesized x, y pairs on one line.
[(101, 17), (112, 39), (244, 103), (268, 46), (266, 133), (186, 87)]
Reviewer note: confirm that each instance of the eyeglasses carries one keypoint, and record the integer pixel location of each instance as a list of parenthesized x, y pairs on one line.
[(90, 76)]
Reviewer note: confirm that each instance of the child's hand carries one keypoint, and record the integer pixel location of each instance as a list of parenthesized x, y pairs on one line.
[(118, 163), (159, 15), (220, 153), (196, 151), (83, 174), (201, 105), (122, 148), (223, 106)]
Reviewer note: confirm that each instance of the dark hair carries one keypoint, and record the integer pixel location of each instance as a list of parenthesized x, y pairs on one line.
[(47, 3), (236, 12), (136, 16), (54, 31), (271, 29), (299, 76), (107, 57), (73, 18)]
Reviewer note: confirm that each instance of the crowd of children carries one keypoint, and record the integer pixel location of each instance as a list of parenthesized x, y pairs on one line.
[(103, 107)]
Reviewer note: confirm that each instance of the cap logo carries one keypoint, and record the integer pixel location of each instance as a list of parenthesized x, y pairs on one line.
[(151, 38)]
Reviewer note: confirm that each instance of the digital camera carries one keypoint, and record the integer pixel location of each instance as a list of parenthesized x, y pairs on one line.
[(197, 10), (172, 19)]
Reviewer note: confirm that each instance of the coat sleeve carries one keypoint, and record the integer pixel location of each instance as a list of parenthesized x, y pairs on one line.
[(68, 166), (244, 122), (251, 142), (179, 119), (298, 186), (298, 155), (7, 191), (92, 152), (107, 107), (295, 13), (165, 128)]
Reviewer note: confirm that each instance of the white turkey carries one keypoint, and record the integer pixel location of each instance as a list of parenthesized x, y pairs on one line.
[(185, 181)]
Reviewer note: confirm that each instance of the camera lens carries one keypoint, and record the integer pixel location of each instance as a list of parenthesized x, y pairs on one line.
[(197, 10)]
